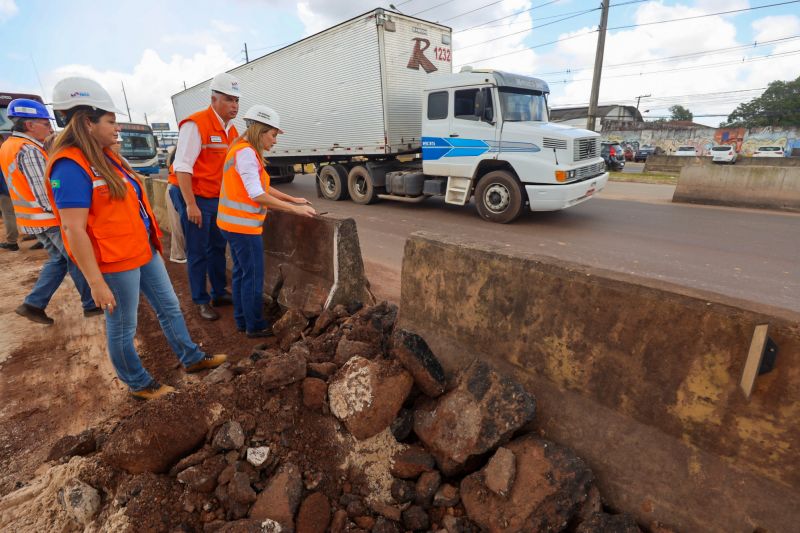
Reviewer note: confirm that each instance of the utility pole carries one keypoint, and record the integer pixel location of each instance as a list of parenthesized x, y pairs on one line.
[(640, 97), (126, 102), (598, 67), (145, 119), (246, 57)]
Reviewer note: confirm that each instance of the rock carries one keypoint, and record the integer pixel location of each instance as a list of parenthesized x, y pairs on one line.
[(414, 354), (325, 319), (388, 511), (416, 519), (314, 393), (403, 424), (239, 489), (381, 317), (356, 508), (314, 515), (446, 496), (280, 370), (323, 369), (81, 444), (339, 521), (594, 504), (458, 524), (551, 484), (382, 525), (289, 327), (203, 477), (411, 462), (281, 497), (403, 491), (348, 349), (606, 523), (80, 500), (340, 311), (500, 472), (365, 522), (161, 432), (249, 526), (482, 411), (229, 436), (311, 480), (195, 459), (258, 456), (367, 395), (221, 374), (322, 349), (427, 485)]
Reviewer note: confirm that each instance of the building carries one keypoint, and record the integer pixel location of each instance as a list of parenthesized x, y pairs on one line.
[(577, 116)]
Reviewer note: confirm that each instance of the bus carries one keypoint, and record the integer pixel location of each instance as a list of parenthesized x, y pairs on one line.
[(140, 147), (5, 122)]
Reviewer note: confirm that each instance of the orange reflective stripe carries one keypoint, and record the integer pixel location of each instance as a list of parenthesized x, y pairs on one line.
[(28, 211), (237, 212)]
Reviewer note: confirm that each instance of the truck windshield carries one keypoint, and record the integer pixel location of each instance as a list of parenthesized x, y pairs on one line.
[(138, 144), (5, 123), (519, 105)]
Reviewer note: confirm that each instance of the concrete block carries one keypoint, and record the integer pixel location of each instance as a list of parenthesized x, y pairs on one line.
[(765, 187)]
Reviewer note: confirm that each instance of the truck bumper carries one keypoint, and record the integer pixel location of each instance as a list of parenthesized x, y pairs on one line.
[(555, 197)]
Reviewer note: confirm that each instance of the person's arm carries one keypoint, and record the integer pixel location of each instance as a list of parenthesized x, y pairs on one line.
[(32, 164), (271, 202), (248, 168), (73, 222), (288, 198), (186, 153)]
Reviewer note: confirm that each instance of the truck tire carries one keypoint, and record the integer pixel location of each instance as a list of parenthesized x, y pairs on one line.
[(360, 186), (499, 197), (333, 182)]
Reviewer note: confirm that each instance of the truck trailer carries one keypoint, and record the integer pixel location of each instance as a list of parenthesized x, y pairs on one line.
[(374, 105)]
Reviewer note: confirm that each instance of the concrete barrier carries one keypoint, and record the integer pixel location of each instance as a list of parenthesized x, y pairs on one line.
[(640, 378), (740, 186), (310, 263), (674, 163)]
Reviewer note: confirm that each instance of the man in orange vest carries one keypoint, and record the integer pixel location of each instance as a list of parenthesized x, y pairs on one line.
[(203, 141), (23, 161)]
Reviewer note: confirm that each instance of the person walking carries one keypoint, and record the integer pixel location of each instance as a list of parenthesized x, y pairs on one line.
[(177, 242), (203, 141), (23, 160), (110, 232), (244, 198)]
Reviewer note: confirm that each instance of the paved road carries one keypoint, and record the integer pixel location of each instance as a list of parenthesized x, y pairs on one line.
[(632, 228)]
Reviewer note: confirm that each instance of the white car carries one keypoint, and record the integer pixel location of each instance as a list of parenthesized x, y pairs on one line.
[(768, 151), (724, 154), (686, 151)]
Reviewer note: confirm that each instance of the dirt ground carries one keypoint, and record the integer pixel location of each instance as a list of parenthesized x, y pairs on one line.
[(58, 380)]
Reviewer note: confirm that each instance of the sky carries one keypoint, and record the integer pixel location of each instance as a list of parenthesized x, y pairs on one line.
[(708, 62)]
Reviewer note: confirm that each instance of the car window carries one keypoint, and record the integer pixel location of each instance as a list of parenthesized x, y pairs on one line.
[(685, 148), (770, 149), (721, 149)]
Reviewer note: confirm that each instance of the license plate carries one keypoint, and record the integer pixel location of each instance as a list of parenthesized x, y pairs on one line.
[(590, 191)]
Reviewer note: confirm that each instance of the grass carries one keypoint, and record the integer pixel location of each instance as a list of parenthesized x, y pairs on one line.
[(644, 177)]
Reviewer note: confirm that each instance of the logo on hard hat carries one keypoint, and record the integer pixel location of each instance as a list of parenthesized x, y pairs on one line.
[(234, 85), (79, 93), (264, 115)]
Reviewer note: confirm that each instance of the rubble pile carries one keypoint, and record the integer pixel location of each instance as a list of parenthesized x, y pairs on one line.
[(342, 422)]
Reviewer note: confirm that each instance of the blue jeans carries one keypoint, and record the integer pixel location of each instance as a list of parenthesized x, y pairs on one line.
[(151, 280), (247, 281), (54, 270), (205, 248)]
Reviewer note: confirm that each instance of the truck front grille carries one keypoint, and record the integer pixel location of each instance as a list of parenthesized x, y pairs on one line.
[(590, 171), (587, 148)]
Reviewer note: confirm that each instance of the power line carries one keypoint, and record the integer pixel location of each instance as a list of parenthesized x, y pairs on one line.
[(512, 52), (430, 8), (525, 11), (704, 16)]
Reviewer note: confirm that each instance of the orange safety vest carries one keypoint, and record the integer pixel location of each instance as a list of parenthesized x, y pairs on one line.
[(119, 240), (28, 211), (214, 143), (238, 213), (172, 178)]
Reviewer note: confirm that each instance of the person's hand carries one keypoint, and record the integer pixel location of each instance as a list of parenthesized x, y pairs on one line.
[(103, 297), (300, 201), (304, 210), (194, 215)]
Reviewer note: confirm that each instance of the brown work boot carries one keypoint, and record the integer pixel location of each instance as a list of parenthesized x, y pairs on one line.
[(207, 312), (152, 391), (34, 314), (209, 361)]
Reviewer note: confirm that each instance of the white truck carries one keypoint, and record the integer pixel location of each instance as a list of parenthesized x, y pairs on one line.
[(373, 104)]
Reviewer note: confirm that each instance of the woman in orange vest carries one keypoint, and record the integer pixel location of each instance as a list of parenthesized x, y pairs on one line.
[(243, 201), (111, 234)]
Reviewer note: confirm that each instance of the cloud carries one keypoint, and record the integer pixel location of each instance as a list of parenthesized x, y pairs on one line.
[(775, 27), (153, 81), (223, 26), (8, 8)]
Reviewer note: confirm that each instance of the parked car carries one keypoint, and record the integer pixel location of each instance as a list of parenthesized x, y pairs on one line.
[(724, 154), (686, 151), (768, 151), (643, 152), (613, 156)]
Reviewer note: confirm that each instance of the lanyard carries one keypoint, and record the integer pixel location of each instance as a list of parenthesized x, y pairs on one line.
[(142, 210)]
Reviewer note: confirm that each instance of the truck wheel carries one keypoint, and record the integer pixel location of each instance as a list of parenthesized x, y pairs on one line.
[(499, 197), (360, 186), (333, 182)]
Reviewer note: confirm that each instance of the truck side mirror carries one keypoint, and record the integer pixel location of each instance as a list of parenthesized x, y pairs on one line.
[(488, 115)]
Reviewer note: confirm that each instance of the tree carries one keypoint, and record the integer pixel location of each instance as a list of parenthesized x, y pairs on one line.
[(778, 106), (680, 113)]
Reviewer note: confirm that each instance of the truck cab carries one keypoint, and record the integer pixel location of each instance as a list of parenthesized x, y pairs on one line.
[(487, 134)]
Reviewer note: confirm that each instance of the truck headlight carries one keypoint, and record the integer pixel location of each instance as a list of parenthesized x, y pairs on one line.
[(565, 175)]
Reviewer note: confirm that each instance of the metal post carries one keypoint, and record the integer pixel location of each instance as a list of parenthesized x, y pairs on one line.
[(598, 67), (126, 102), (246, 57), (640, 97), (145, 119)]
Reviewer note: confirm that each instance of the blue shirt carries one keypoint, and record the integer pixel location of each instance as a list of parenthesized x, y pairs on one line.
[(72, 187)]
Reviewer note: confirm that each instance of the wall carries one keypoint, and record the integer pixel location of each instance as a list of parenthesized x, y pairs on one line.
[(668, 138), (641, 378)]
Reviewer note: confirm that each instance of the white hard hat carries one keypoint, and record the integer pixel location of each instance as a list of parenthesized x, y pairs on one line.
[(265, 115), (226, 84), (73, 92)]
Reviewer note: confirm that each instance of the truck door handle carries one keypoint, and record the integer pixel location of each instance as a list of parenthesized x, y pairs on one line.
[(454, 135)]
